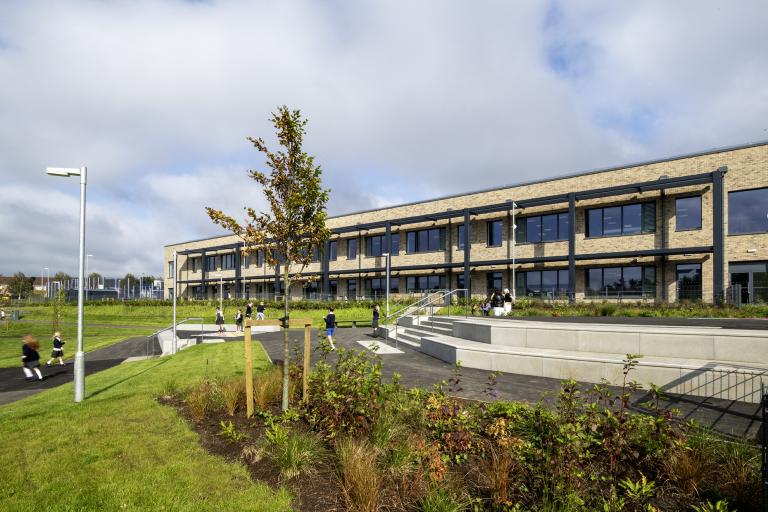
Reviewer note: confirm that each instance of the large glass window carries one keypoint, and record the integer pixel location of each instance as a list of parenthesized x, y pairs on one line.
[(542, 283), (425, 283), (689, 281), (688, 213), (333, 250), (394, 248), (351, 248), (333, 287), (244, 260), (613, 282), (748, 211), (193, 262), (376, 286), (494, 228), (542, 228), (374, 245), (460, 237), (228, 261), (210, 263), (351, 288), (426, 240), (493, 281), (629, 219), (315, 254)]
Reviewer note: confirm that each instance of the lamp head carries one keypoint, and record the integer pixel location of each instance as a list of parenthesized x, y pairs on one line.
[(62, 171)]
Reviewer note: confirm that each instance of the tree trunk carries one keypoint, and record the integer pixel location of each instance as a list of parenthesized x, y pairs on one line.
[(286, 355)]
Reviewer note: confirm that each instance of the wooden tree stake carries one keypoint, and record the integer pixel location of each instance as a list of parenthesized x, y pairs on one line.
[(248, 369)]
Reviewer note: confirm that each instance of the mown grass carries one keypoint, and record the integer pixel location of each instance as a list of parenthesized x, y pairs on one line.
[(93, 338), (120, 449)]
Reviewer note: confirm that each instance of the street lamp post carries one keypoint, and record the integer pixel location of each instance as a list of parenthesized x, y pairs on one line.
[(79, 355), (175, 293), (47, 283), (513, 284), (386, 292)]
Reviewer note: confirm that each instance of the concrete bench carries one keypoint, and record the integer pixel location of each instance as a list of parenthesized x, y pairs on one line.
[(358, 322)]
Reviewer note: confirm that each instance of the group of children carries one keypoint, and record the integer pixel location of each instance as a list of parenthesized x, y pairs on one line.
[(239, 316), (499, 303), (31, 357)]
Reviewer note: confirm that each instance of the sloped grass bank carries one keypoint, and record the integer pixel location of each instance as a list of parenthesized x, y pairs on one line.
[(120, 449)]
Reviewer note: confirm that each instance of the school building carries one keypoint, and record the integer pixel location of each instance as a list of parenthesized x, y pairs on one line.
[(690, 227)]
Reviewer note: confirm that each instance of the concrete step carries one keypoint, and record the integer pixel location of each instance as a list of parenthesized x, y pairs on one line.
[(408, 337), (438, 328), (699, 377)]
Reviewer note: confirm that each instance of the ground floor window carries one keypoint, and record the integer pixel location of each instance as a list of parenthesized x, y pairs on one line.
[(375, 287), (351, 288), (311, 289), (542, 283), (460, 281), (425, 283), (494, 282), (617, 282), (751, 281), (333, 287), (689, 281)]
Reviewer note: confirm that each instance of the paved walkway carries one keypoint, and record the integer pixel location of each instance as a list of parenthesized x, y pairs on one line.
[(420, 370), (14, 387)]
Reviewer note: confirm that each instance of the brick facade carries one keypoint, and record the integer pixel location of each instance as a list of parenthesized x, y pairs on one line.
[(747, 168)]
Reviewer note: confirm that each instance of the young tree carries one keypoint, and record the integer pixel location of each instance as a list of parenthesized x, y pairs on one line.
[(20, 285), (295, 223)]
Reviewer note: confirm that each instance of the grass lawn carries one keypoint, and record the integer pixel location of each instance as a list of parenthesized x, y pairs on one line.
[(161, 315), (120, 449), (93, 338)]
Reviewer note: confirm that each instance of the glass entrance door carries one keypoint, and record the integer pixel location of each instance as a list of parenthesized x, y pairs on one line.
[(753, 278)]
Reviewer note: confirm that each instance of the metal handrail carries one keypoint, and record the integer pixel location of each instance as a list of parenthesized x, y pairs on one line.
[(428, 301)]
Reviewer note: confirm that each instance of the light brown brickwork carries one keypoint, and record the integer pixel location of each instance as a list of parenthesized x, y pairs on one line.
[(747, 169)]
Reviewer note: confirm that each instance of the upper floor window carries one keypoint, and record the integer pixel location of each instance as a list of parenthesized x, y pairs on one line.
[(210, 263), (688, 213), (194, 263), (542, 228), (460, 236), (747, 211), (351, 248), (333, 250), (426, 240), (494, 228), (629, 219), (259, 258), (377, 245), (315, 254), (228, 261), (244, 260), (170, 269)]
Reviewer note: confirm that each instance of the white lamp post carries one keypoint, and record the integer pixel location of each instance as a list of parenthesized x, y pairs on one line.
[(386, 293), (47, 283), (221, 291), (79, 355), (514, 239), (175, 293)]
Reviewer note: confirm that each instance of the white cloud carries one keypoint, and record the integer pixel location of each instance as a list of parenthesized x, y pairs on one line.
[(406, 100)]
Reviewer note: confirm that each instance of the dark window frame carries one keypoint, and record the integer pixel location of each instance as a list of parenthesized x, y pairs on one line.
[(690, 294), (730, 211), (490, 228), (333, 250), (414, 238), (644, 207), (352, 242), (645, 270), (677, 215), (562, 286), (521, 228)]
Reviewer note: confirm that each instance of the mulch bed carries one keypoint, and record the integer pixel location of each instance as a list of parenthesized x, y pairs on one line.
[(320, 490)]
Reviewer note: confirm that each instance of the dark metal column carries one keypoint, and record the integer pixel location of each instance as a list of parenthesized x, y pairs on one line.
[(203, 285), (238, 273), (572, 246), (325, 266), (467, 245), (718, 233)]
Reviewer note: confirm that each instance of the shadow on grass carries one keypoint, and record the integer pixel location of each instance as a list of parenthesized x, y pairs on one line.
[(127, 378)]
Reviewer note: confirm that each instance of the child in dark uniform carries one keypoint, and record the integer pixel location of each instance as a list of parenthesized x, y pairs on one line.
[(58, 349), (31, 358), (330, 326), (239, 321)]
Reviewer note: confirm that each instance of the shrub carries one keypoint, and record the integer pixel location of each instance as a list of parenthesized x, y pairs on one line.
[(268, 387), (293, 452), (229, 431), (233, 394), (360, 475), (439, 499), (346, 398), (170, 388)]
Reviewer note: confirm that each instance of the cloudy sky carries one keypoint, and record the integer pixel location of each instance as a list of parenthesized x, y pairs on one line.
[(407, 100)]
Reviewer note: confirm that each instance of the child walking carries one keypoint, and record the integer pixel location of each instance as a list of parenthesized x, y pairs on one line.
[(239, 321), (330, 326), (220, 319), (58, 349), (31, 358)]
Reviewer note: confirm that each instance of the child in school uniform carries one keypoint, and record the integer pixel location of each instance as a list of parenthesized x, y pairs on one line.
[(31, 358), (330, 326), (58, 349), (239, 321)]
